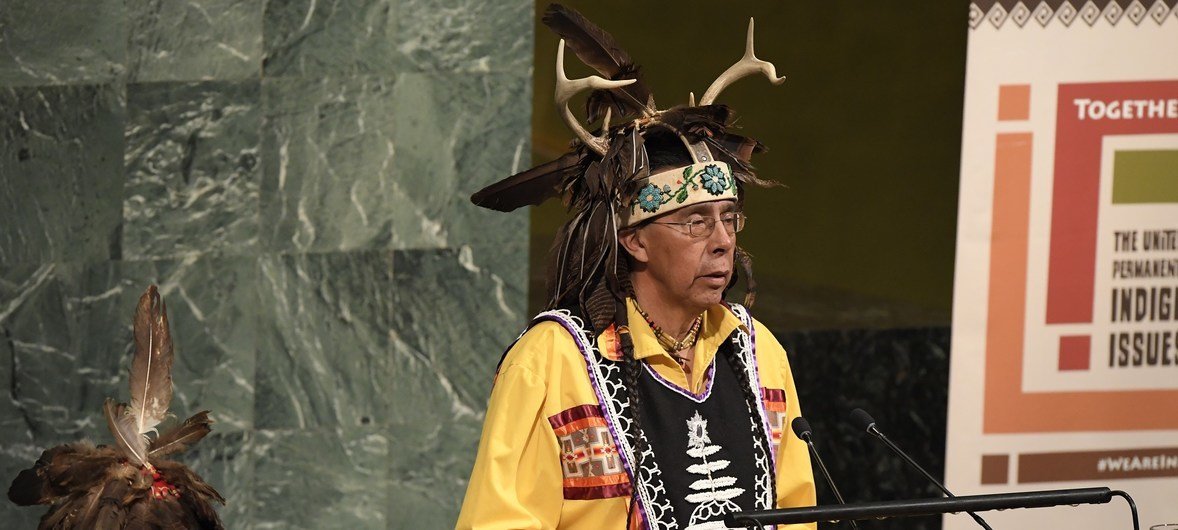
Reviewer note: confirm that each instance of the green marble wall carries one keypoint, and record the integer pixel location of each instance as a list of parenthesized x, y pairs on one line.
[(294, 176)]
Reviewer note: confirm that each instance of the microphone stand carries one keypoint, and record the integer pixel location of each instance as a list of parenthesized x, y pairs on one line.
[(896, 449), (806, 437), (864, 420)]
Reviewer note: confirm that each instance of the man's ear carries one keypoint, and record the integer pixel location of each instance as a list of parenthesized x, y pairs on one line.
[(634, 243)]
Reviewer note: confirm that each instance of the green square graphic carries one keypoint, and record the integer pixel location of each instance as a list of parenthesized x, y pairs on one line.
[(1146, 176)]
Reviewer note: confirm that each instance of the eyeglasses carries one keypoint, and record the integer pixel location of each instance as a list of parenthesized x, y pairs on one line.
[(733, 223)]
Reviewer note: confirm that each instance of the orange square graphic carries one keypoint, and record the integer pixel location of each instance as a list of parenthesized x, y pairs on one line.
[(1014, 102)]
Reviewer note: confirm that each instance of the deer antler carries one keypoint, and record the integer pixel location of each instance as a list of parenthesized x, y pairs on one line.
[(566, 88), (747, 65)]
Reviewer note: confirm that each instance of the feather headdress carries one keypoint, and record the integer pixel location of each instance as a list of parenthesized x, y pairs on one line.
[(130, 484), (600, 176)]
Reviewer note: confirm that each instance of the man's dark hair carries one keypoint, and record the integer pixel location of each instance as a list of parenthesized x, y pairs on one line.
[(665, 150)]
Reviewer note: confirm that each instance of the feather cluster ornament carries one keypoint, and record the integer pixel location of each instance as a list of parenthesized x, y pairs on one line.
[(128, 485), (604, 168)]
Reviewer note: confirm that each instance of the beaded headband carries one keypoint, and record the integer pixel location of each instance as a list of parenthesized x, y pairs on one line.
[(705, 180)]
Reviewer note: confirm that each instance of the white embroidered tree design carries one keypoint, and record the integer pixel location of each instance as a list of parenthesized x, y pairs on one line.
[(711, 494)]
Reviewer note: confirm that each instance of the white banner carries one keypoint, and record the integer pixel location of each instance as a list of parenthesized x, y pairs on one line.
[(1064, 369)]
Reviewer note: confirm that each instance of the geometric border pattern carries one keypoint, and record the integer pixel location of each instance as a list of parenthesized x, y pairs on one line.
[(589, 458), (775, 405), (1066, 12)]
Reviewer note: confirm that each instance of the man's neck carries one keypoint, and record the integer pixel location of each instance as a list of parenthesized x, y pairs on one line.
[(674, 319)]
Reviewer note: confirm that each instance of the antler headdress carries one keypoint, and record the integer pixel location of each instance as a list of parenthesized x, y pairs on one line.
[(605, 179)]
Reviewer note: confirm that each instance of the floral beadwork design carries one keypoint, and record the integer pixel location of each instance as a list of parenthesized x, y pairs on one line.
[(651, 197), (714, 180)]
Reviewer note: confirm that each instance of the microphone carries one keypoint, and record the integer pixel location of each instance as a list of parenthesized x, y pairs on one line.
[(864, 421), (802, 430)]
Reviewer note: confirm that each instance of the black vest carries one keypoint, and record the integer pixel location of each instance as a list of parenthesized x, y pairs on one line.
[(703, 456)]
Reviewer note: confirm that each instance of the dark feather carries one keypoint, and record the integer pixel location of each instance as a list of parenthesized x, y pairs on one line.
[(105, 508), (627, 162), (593, 45), (54, 518), (615, 165), (741, 169), (620, 101), (28, 489), (598, 49), (601, 304), (182, 436), (587, 265), (530, 187), (119, 495), (588, 248), (563, 276), (742, 147), (639, 163), (60, 471), (188, 482), (144, 516), (696, 122), (593, 182), (83, 467), (122, 426), (745, 261), (576, 240), (151, 367), (203, 512)]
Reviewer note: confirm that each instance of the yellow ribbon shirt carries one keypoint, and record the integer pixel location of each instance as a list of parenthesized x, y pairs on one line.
[(524, 476)]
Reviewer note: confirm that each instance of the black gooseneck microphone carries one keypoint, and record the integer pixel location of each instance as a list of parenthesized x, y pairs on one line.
[(802, 430), (864, 421)]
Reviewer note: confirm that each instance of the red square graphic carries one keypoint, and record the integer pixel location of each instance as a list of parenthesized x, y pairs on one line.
[(1075, 352)]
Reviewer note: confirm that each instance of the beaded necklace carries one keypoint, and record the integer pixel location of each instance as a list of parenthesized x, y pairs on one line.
[(669, 344)]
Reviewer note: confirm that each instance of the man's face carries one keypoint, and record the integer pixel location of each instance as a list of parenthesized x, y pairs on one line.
[(688, 271)]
